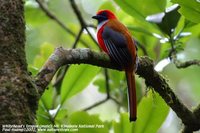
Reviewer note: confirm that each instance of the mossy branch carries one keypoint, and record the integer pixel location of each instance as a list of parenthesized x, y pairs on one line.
[(185, 64), (145, 70)]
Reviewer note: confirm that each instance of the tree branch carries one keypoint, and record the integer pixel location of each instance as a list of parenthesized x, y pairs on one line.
[(153, 79), (145, 70), (53, 17), (185, 64), (81, 20), (60, 76), (77, 38), (107, 83), (96, 104), (62, 57)]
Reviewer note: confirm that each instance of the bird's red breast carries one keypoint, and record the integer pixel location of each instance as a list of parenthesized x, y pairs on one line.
[(100, 39)]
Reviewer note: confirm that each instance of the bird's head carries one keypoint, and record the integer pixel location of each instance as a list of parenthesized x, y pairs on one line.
[(104, 15)]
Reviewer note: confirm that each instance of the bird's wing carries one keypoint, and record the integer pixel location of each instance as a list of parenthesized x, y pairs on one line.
[(116, 45), (116, 37)]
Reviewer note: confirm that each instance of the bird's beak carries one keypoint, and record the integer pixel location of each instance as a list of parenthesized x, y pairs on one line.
[(95, 17), (99, 17)]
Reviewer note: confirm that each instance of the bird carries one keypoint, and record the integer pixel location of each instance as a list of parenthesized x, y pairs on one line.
[(114, 39)]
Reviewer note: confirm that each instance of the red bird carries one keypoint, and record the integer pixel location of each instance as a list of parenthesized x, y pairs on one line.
[(115, 39)]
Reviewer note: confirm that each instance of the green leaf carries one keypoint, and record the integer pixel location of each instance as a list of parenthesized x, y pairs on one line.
[(48, 97), (76, 79), (124, 125), (100, 82), (190, 9), (61, 116), (130, 10), (139, 9), (42, 115), (195, 4), (83, 118), (152, 111), (190, 14)]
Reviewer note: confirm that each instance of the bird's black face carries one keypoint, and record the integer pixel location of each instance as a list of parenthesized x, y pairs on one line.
[(101, 17)]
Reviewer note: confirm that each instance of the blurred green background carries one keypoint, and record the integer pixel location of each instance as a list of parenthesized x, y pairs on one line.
[(84, 85)]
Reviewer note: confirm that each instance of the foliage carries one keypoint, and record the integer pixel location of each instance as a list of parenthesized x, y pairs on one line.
[(189, 7), (72, 83), (152, 110), (168, 32)]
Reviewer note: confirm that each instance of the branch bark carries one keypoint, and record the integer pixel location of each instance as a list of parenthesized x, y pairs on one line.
[(70, 56), (145, 70)]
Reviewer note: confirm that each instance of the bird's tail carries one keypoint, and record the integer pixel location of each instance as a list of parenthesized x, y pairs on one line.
[(130, 76)]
